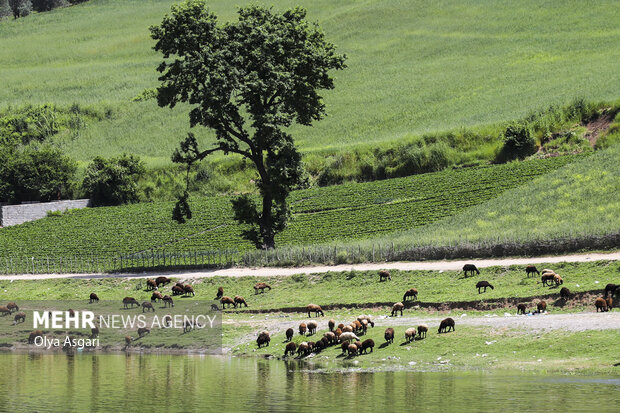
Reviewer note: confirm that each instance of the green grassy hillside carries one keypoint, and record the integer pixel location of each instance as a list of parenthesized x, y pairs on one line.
[(414, 67)]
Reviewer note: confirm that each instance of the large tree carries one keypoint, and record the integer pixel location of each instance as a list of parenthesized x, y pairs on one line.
[(247, 80)]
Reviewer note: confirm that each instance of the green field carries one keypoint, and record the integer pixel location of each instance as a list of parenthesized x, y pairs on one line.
[(414, 67)]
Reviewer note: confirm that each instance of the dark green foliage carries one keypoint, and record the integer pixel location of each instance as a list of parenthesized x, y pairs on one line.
[(181, 211), (47, 5), (113, 181), (20, 8), (518, 143), (247, 81)]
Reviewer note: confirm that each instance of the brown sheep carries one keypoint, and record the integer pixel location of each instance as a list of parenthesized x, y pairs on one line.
[(410, 335), (130, 302), (176, 290), (168, 301), (167, 320), (422, 330), (389, 335), (368, 344), (12, 307), (187, 326), (547, 271), (290, 349), (302, 329), (565, 293), (239, 300), (316, 309), (470, 268), (601, 305), (147, 306), (610, 304), (412, 292), (547, 279), (325, 342), (150, 284), (94, 332), (220, 293), (483, 284), (312, 326), (319, 346), (344, 346), (162, 281), (227, 300), (364, 326), (331, 337), (19, 318), (263, 339), (289, 334), (610, 288), (396, 308), (352, 349), (367, 318), (341, 326), (338, 332), (541, 306), (93, 298), (156, 296), (347, 329), (557, 280), (127, 341), (446, 325), (357, 326), (142, 331), (4, 310), (34, 335), (531, 269), (521, 309), (331, 323), (188, 289), (302, 349), (261, 287), (384, 275)]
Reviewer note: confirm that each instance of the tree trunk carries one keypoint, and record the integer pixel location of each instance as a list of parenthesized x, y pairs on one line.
[(266, 222)]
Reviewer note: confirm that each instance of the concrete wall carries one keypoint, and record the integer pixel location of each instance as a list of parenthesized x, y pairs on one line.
[(18, 214)]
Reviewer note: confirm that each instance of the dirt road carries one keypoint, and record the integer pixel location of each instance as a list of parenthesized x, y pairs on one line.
[(286, 271)]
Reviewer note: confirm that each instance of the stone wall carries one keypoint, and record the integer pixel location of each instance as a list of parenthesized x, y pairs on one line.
[(18, 214)]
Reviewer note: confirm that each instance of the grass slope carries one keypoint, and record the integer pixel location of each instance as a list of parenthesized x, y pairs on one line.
[(414, 67)]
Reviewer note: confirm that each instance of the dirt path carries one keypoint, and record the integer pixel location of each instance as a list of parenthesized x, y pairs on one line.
[(287, 271)]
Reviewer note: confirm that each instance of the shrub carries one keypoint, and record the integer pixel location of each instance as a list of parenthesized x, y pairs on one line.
[(20, 8), (113, 181), (518, 142), (47, 5)]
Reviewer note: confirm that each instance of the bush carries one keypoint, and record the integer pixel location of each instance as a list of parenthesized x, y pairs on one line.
[(20, 8), (518, 143), (47, 5), (113, 181)]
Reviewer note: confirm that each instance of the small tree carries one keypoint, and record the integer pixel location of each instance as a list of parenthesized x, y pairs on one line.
[(113, 181), (248, 81), (20, 8), (518, 142)]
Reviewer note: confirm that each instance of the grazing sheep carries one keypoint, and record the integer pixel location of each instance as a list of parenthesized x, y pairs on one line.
[(565, 293), (531, 269), (347, 329), (167, 320), (263, 339), (127, 341), (227, 300), (34, 335), (348, 337), (338, 333), (168, 301), (19, 318), (330, 336), (331, 324), (384, 275), (396, 308), (289, 334), (142, 331), (368, 344), (610, 288), (557, 280), (412, 292), (302, 349), (547, 271), (302, 329), (364, 326), (156, 296), (367, 318), (187, 326), (188, 289), (162, 281), (316, 309), (470, 268), (93, 298), (71, 312), (483, 284), (446, 325), (311, 345), (325, 341), (357, 326), (541, 306), (410, 335), (220, 293), (177, 290), (94, 332), (352, 349), (389, 335), (214, 307), (239, 300), (422, 329), (12, 307), (130, 302), (341, 326), (610, 304), (600, 304), (547, 279), (290, 349), (261, 287), (150, 284), (521, 309), (319, 346), (344, 346), (312, 326), (147, 306)]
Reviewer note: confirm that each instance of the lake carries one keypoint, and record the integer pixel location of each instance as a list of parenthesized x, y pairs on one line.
[(118, 382)]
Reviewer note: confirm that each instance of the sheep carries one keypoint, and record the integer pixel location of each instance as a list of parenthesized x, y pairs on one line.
[(610, 304), (94, 332), (239, 300), (410, 335), (71, 312), (531, 269), (129, 302), (289, 334), (422, 329), (319, 346), (214, 307), (521, 309), (4, 310), (188, 289), (485, 285), (389, 335), (142, 331), (557, 280), (341, 326), (446, 325), (331, 337), (220, 293), (12, 307), (367, 318), (396, 308), (156, 296), (93, 297), (150, 284), (162, 281), (168, 301), (347, 329), (357, 326), (179, 284), (352, 349), (312, 326), (177, 290), (565, 293), (302, 349), (368, 344), (290, 349), (412, 292), (610, 288), (261, 287), (167, 320), (311, 345), (331, 323), (127, 341), (316, 309), (600, 304), (547, 278), (325, 341), (541, 306), (547, 271), (616, 292), (364, 326), (302, 329), (263, 339), (147, 306), (34, 335), (348, 337), (227, 300), (344, 346), (187, 326), (338, 333), (19, 318), (470, 268), (384, 275)]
